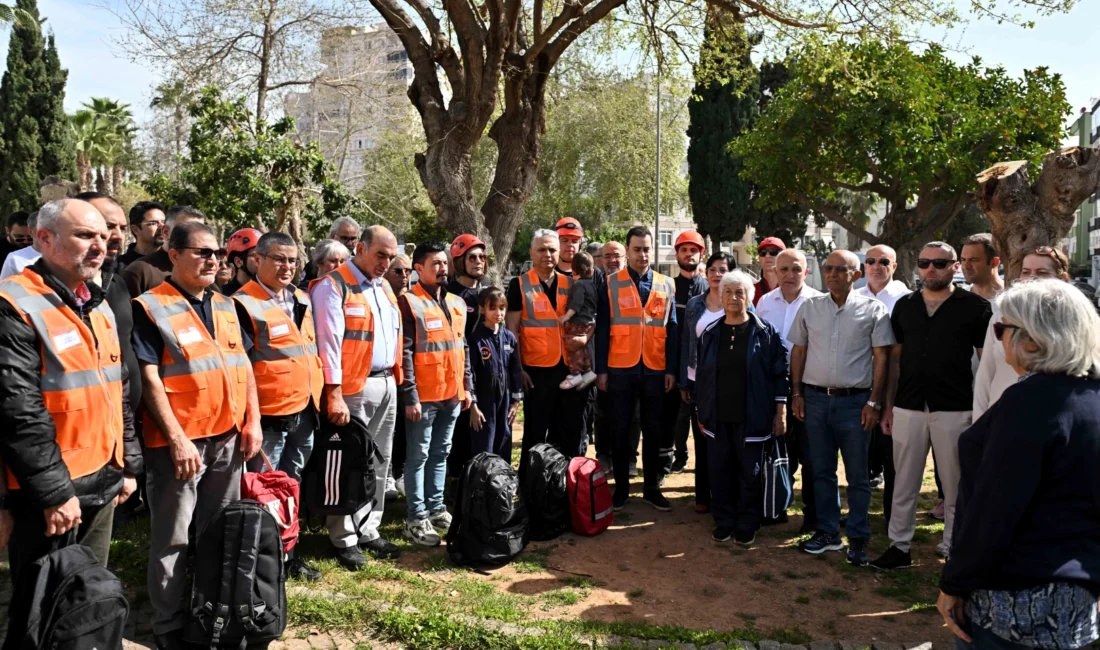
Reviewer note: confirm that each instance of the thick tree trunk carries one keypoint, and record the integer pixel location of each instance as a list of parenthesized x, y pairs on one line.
[(1026, 215), (101, 181), (118, 175), (84, 169)]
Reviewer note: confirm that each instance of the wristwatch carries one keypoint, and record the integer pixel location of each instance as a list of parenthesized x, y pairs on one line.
[(875, 405)]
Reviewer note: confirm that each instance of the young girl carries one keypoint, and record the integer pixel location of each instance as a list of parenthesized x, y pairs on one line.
[(498, 378)]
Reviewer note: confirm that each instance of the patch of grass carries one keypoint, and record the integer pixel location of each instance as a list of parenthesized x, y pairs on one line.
[(533, 560), (674, 634), (802, 600), (129, 555), (832, 593), (437, 563), (749, 619), (563, 597), (581, 582)]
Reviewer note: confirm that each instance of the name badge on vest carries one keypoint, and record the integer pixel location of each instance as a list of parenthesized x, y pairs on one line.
[(356, 310), (66, 340), (188, 336), (434, 324), (627, 301), (282, 329), (541, 302)]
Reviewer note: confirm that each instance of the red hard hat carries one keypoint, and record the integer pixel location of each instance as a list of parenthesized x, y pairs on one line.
[(463, 243), (569, 228), (773, 242), (242, 240), (690, 237)]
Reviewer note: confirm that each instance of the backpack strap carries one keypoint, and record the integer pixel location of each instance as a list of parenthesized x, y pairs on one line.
[(220, 609), (253, 615)]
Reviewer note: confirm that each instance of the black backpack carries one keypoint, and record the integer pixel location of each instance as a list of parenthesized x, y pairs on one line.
[(339, 477), (489, 526), (544, 492), (238, 590), (68, 601)]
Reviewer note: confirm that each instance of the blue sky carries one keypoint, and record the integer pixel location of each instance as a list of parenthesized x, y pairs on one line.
[(1065, 43)]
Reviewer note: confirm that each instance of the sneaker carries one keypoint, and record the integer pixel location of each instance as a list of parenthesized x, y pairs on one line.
[(744, 539), (391, 488), (297, 568), (381, 548), (420, 531), (876, 482), (781, 519), (657, 500), (822, 542), (679, 465), (587, 379), (722, 534), (618, 500), (857, 552), (702, 508), (944, 550), (441, 520), (350, 558), (893, 558), (400, 485), (633, 471), (571, 382), (937, 512)]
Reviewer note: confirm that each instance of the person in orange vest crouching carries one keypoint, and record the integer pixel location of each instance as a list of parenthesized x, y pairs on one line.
[(436, 387), (637, 348), (202, 418), (359, 342), (279, 319), (66, 437)]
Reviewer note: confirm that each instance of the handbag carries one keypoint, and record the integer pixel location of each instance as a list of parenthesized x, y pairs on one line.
[(778, 487), (278, 494)]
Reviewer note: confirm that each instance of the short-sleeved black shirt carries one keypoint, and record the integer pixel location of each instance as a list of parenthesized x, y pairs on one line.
[(936, 351)]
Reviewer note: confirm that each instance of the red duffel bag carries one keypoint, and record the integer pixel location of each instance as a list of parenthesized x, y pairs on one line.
[(279, 495), (589, 496)]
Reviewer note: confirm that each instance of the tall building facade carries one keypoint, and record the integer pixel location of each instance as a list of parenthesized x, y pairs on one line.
[(358, 98), (1083, 241)]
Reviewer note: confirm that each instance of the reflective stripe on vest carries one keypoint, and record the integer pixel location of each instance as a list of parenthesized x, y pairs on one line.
[(81, 374), (438, 356), (284, 356), (204, 377), (540, 336), (637, 333)]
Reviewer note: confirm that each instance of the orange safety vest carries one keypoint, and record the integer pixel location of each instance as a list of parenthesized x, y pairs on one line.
[(81, 379), (357, 349), (540, 336), (638, 334), (284, 356), (439, 357), (205, 378)]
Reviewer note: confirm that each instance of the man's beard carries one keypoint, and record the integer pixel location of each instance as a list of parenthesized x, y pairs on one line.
[(688, 267), (933, 284)]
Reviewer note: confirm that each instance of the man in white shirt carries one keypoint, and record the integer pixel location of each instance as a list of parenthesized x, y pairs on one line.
[(24, 257), (779, 307)]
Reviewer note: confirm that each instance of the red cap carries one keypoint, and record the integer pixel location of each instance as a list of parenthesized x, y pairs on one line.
[(690, 237), (772, 242), (242, 240), (463, 243), (569, 228)]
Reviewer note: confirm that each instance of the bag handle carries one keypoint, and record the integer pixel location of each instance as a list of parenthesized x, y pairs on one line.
[(220, 609), (270, 467)]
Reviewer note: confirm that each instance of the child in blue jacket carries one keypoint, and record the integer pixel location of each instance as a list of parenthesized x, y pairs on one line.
[(498, 378)]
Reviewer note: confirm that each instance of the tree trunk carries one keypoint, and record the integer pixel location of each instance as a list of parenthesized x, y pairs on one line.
[(288, 219), (84, 169), (118, 175), (101, 180), (1026, 215)]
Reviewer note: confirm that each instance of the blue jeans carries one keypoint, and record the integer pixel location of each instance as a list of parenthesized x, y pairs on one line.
[(287, 443), (984, 639), (428, 442), (832, 425)]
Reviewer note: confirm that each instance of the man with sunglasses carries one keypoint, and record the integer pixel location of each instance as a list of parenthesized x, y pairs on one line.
[(151, 270), (18, 235), (470, 261), (767, 252), (930, 393), (21, 258), (994, 374)]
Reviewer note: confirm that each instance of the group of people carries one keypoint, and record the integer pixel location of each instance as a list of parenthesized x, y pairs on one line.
[(166, 369)]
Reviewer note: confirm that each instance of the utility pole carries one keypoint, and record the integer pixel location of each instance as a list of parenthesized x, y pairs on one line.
[(657, 207)]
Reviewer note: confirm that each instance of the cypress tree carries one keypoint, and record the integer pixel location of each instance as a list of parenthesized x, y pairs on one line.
[(55, 137)]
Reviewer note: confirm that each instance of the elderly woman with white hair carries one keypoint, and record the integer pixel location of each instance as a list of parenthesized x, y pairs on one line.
[(1024, 570), (328, 254), (740, 390)]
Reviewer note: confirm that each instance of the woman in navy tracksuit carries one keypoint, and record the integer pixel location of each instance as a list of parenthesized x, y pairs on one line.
[(498, 378)]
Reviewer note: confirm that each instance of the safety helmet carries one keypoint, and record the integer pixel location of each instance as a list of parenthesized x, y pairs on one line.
[(690, 237), (242, 240), (569, 228), (463, 243)]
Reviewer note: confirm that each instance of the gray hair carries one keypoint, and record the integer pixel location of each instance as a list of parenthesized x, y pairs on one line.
[(1060, 320), (543, 232), (175, 212), (327, 248), (737, 276), (401, 257), (594, 248), (341, 222), (50, 213), (943, 246), (274, 238)]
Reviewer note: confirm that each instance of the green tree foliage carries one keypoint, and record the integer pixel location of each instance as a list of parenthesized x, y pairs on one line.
[(58, 147), (913, 129)]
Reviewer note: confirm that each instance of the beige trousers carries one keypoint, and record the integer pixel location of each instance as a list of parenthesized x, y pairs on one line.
[(912, 434)]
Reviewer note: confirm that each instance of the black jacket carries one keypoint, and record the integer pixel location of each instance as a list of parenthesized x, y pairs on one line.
[(1028, 512), (118, 297), (27, 436)]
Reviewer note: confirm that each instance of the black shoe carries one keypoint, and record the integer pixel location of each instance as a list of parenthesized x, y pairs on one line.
[(350, 558), (618, 500), (781, 519), (722, 534), (679, 465), (822, 542), (857, 552), (893, 558), (381, 549), (297, 568), (744, 539), (657, 500), (876, 482), (843, 522)]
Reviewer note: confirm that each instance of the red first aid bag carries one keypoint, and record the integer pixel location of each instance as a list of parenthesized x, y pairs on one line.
[(589, 496), (278, 493)]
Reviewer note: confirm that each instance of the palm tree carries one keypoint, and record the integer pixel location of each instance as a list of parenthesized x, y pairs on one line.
[(109, 137)]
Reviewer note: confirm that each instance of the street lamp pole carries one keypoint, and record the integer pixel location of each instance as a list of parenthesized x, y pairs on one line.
[(657, 207)]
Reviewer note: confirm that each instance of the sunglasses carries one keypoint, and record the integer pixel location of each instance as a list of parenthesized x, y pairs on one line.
[(1049, 252), (769, 252), (839, 268), (401, 271), (348, 240), (940, 264), (999, 329), (476, 257), (881, 261), (204, 253)]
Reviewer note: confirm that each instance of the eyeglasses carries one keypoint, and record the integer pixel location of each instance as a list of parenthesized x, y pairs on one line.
[(279, 260), (999, 329), (153, 222), (401, 271), (1052, 253), (769, 252), (718, 270), (204, 253), (940, 264), (479, 257), (839, 268), (349, 240), (881, 261)]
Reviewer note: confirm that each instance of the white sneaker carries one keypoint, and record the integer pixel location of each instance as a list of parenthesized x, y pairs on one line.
[(401, 486), (422, 533), (391, 488), (944, 550), (441, 520), (587, 379), (570, 382)]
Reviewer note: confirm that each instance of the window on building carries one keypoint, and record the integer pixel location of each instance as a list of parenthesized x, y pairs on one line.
[(397, 57), (664, 238)]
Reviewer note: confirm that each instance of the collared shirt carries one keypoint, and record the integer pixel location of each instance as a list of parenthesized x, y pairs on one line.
[(328, 315), (775, 309), (18, 260), (839, 340), (889, 295), (285, 298)]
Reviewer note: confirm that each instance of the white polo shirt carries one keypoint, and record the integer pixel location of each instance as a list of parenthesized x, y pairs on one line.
[(775, 309), (889, 295)]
